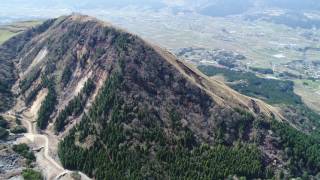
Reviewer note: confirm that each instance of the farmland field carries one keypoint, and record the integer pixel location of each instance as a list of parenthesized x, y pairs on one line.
[(8, 31)]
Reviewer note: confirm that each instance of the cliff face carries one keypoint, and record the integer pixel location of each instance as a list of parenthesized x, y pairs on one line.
[(123, 107)]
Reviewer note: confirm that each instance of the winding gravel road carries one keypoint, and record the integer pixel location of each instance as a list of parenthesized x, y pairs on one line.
[(43, 142)]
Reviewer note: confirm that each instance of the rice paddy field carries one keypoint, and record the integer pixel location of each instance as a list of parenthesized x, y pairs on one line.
[(310, 92)]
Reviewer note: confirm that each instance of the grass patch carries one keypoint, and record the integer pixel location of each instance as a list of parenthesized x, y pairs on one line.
[(8, 31), (24, 151), (5, 35), (30, 174)]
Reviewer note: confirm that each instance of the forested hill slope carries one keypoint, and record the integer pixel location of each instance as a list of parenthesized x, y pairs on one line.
[(142, 113)]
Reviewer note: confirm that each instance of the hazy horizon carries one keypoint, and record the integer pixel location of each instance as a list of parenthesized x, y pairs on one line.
[(213, 8)]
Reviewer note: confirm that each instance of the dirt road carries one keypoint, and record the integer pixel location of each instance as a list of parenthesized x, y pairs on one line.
[(51, 168)]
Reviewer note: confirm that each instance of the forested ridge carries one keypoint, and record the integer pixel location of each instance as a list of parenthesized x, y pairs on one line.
[(301, 150), (120, 153), (48, 105), (122, 137), (9, 51)]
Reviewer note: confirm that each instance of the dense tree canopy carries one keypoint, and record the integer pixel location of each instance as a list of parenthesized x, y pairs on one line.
[(111, 151), (48, 105)]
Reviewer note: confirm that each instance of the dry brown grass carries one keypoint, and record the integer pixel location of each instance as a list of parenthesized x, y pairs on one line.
[(220, 92)]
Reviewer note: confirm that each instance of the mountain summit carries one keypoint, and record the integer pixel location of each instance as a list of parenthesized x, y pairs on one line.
[(124, 108)]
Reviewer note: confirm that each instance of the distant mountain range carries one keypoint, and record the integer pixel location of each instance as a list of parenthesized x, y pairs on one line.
[(216, 8)]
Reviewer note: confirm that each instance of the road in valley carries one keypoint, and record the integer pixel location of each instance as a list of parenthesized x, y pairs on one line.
[(54, 170)]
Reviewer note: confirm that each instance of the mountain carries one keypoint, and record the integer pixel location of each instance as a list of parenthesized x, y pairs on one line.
[(85, 4), (123, 108), (227, 7), (221, 8), (294, 4)]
